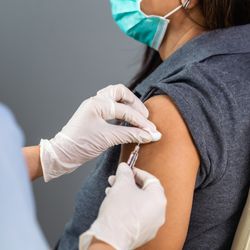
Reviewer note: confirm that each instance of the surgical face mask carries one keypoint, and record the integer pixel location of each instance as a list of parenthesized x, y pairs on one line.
[(147, 29)]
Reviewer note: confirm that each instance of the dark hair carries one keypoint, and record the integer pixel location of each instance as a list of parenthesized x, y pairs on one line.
[(217, 14)]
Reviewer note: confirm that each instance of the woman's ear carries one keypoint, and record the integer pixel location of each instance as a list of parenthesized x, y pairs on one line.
[(190, 4)]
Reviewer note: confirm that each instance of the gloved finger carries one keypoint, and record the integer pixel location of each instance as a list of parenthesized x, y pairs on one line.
[(109, 110), (123, 135), (111, 180), (107, 190), (124, 174), (132, 116), (121, 93), (145, 179)]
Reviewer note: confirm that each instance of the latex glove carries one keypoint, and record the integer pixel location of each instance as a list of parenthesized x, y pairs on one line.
[(129, 216), (88, 133)]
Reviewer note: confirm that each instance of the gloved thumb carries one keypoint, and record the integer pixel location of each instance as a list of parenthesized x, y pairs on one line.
[(144, 179), (124, 174)]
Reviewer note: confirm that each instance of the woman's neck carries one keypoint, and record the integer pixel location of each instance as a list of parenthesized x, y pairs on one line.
[(179, 33)]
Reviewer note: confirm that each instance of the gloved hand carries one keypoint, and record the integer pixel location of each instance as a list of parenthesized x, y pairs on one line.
[(129, 216), (87, 134)]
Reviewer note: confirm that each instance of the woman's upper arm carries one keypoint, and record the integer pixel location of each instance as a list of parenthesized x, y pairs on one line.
[(175, 161)]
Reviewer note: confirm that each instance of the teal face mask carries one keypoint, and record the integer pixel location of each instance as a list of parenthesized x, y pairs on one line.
[(147, 29)]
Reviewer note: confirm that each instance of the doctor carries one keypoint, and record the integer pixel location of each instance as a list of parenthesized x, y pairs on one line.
[(120, 223)]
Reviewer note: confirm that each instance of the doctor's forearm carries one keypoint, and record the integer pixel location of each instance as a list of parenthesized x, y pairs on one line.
[(32, 157)]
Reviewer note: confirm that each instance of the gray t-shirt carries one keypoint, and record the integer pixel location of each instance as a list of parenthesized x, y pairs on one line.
[(209, 81)]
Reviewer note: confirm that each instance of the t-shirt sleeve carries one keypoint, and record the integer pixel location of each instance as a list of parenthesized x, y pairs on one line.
[(204, 119)]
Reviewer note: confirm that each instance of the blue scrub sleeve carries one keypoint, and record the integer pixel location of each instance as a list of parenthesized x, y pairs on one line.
[(19, 228)]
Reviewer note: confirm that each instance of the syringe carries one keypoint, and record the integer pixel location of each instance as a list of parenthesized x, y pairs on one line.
[(133, 156)]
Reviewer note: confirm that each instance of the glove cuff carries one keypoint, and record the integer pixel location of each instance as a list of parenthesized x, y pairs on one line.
[(85, 240), (87, 237), (104, 231), (52, 166)]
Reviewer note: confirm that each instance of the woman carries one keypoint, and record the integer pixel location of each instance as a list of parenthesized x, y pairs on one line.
[(196, 84)]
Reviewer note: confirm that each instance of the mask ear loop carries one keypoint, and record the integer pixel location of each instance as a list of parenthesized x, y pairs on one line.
[(185, 5)]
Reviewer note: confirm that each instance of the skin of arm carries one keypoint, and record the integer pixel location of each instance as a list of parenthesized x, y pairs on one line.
[(32, 157), (175, 161)]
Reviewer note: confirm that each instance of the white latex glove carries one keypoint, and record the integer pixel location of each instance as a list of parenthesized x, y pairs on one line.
[(87, 134), (129, 216)]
